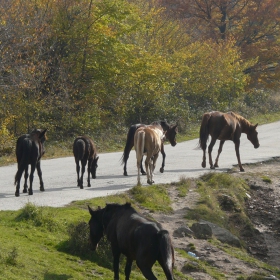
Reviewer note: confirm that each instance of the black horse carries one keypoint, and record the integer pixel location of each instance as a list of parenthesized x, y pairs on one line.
[(29, 150), (84, 150), (170, 134), (134, 236)]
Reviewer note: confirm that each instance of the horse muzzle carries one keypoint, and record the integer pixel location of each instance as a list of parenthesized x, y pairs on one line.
[(173, 144)]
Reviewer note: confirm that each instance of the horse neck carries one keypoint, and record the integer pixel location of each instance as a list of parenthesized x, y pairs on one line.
[(245, 125)]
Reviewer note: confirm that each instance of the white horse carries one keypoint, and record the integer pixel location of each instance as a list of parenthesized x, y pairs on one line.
[(148, 141)]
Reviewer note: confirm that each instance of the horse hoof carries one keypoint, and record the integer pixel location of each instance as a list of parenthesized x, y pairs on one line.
[(144, 173), (24, 191), (89, 186), (150, 182), (42, 189), (242, 170), (212, 167), (125, 173), (81, 187), (30, 192), (203, 164), (16, 194), (216, 165), (161, 170)]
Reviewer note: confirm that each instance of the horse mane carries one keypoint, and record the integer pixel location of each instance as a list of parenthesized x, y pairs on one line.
[(165, 126), (241, 119)]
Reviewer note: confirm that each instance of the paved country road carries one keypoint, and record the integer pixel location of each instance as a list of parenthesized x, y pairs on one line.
[(184, 159)]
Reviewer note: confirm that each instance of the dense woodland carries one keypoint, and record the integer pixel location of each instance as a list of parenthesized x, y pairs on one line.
[(87, 66)]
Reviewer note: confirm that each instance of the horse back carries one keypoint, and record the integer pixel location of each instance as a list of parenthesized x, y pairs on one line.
[(84, 148), (131, 233)]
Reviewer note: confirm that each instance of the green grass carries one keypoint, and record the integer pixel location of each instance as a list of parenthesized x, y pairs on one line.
[(52, 243), (222, 198), (155, 198)]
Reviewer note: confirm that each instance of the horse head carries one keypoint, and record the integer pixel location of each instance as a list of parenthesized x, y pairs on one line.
[(252, 136), (170, 134), (95, 227), (94, 166)]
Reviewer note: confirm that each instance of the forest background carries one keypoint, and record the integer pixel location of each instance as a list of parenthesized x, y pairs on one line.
[(97, 66)]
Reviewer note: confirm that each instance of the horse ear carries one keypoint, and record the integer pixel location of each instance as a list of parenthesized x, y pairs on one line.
[(255, 126), (90, 210), (43, 133)]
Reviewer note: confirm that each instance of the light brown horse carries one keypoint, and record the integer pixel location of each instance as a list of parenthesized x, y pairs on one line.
[(148, 140), (225, 126)]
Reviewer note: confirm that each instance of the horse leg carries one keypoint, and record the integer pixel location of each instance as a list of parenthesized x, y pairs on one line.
[(210, 148), (146, 270), (237, 144), (25, 186), (126, 155), (138, 173), (31, 177), (203, 164), (219, 152), (84, 162), (163, 158), (89, 168), (78, 172), (127, 268), (18, 176), (39, 172), (153, 166), (148, 168), (116, 262), (143, 172)]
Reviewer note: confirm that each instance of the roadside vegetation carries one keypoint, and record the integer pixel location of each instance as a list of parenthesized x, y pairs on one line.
[(52, 243)]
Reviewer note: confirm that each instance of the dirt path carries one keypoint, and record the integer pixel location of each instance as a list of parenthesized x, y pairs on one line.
[(263, 209)]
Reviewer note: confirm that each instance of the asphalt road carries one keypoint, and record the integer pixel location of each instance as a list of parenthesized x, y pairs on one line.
[(184, 159)]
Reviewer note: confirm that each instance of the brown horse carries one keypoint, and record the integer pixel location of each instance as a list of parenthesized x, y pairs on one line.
[(170, 135), (29, 150), (133, 235), (148, 140), (84, 150), (225, 126)]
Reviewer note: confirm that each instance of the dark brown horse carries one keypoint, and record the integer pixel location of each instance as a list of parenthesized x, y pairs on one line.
[(29, 150), (148, 140), (84, 151), (133, 235), (170, 134), (225, 126)]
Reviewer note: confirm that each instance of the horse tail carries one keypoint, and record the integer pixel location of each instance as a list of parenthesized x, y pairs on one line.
[(129, 143), (140, 145), (204, 132), (23, 152), (166, 253), (79, 149)]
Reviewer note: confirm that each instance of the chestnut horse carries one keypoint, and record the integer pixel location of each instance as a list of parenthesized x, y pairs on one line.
[(84, 150), (133, 235), (29, 150), (225, 126), (170, 135), (148, 140)]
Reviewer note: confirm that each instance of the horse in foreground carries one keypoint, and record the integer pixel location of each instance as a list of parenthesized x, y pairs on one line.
[(133, 235), (225, 126), (84, 151), (29, 150), (170, 134), (148, 141)]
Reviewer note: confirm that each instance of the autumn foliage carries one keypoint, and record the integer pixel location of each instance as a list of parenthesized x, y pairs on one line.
[(84, 66)]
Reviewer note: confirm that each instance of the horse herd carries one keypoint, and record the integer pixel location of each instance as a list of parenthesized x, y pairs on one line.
[(130, 233)]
